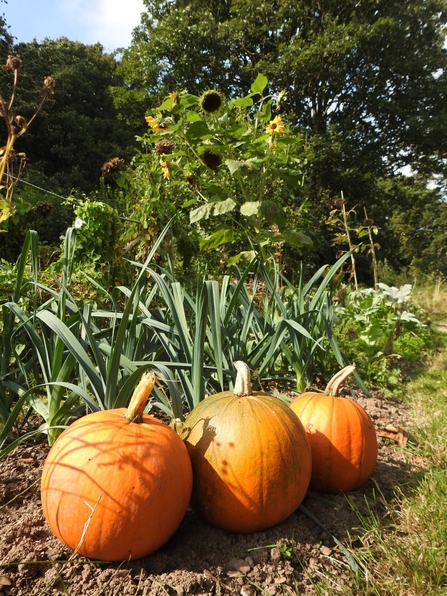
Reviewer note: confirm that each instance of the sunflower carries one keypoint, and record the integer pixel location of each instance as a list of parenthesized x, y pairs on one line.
[(211, 101), (153, 123), (173, 96), (275, 126), (211, 159), (164, 147), (165, 170)]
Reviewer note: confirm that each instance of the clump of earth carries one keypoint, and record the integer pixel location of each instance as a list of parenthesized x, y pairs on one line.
[(290, 558)]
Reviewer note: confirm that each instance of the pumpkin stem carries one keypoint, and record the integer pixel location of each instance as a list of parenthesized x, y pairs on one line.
[(140, 396), (334, 384), (242, 385)]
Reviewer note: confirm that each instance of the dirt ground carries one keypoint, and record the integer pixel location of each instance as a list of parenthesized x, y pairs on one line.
[(291, 558)]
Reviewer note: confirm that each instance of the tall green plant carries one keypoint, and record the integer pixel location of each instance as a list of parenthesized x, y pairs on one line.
[(234, 165), (8, 342)]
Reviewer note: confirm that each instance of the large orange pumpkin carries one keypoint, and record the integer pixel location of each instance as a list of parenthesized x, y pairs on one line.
[(116, 483), (342, 438), (250, 456)]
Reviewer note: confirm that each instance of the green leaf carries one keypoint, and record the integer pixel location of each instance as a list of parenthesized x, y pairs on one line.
[(188, 101), (245, 254), (259, 84), (216, 239), (166, 105), (202, 212), (224, 206), (242, 102), (193, 117), (198, 130), (296, 238), (265, 113), (234, 165), (250, 208)]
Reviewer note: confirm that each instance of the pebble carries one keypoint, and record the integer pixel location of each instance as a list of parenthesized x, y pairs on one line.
[(240, 565)]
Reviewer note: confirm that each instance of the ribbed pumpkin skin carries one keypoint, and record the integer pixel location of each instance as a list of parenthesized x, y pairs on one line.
[(251, 461), (137, 475), (342, 439)]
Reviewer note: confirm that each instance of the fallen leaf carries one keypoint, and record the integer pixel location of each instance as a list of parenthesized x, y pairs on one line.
[(399, 436)]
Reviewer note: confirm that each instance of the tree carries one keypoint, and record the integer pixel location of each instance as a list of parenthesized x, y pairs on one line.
[(6, 38), (365, 80), (373, 68), (78, 130), (419, 222)]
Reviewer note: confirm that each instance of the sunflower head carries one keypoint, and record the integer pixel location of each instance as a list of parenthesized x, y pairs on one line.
[(211, 159), (275, 126), (155, 124), (164, 147), (211, 101), (111, 168)]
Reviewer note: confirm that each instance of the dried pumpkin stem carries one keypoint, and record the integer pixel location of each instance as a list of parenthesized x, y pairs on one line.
[(140, 396), (242, 385), (335, 383)]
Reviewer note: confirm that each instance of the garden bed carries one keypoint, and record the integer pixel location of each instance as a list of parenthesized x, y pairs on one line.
[(290, 558)]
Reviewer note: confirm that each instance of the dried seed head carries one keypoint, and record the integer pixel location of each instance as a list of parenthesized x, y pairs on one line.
[(211, 101), (164, 147), (20, 120), (13, 63), (43, 210), (368, 223), (190, 180), (339, 203), (112, 167), (15, 158), (48, 87), (211, 159)]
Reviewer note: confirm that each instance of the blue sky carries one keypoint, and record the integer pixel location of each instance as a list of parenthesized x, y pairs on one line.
[(109, 22)]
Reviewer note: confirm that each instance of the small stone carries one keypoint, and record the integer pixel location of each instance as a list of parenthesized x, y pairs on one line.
[(240, 565), (275, 554), (325, 550), (247, 591)]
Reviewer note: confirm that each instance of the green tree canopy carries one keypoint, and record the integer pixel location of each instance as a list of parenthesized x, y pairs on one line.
[(78, 129), (365, 82), (374, 69)]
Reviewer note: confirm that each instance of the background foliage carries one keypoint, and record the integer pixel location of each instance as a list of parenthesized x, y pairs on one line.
[(365, 91)]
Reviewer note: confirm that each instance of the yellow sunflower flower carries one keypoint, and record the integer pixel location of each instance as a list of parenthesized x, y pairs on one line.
[(275, 126), (153, 123), (173, 96), (165, 170)]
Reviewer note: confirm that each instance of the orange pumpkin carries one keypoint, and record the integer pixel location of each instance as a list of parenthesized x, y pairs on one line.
[(116, 483), (250, 456), (342, 438)]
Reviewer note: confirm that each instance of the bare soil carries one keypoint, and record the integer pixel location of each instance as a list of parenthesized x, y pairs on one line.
[(290, 558)]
